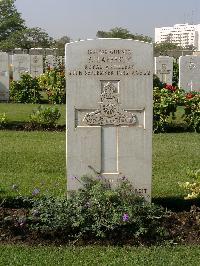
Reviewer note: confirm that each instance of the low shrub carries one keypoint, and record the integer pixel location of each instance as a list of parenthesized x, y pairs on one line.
[(192, 111), (192, 188), (53, 83), (98, 212), (166, 99), (45, 116), (26, 90), (3, 120)]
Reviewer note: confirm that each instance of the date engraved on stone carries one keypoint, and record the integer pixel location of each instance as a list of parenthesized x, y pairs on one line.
[(110, 111)]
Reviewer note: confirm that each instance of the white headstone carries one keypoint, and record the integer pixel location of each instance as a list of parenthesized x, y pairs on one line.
[(21, 64), (189, 73), (37, 51), (36, 65), (164, 68), (4, 77), (109, 111), (50, 62)]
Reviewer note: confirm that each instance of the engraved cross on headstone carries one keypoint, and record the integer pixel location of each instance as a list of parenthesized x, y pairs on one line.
[(164, 71), (109, 117), (35, 62), (20, 68)]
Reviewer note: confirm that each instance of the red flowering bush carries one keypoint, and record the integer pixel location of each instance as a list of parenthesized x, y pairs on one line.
[(189, 95), (192, 110), (53, 83), (165, 102), (170, 87)]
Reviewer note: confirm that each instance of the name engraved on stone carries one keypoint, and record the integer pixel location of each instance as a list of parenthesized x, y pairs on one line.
[(109, 62), (110, 111)]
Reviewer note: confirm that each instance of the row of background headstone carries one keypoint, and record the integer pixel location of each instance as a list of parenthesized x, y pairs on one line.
[(38, 60), (35, 63), (189, 71)]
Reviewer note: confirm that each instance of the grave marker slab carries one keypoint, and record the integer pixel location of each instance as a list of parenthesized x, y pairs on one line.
[(164, 68), (21, 64), (4, 77), (189, 72), (109, 111), (36, 65), (50, 61)]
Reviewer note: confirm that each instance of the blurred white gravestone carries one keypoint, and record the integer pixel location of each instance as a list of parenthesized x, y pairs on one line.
[(50, 61), (109, 111), (4, 77), (164, 68), (189, 73), (21, 65), (36, 65)]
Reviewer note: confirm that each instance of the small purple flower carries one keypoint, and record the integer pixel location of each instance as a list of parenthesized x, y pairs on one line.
[(35, 192), (125, 217)]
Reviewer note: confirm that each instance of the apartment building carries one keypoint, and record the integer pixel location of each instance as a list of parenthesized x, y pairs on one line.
[(181, 34)]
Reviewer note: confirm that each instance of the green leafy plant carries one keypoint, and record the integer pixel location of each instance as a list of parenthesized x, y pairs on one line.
[(193, 187), (26, 90), (192, 110), (175, 78), (45, 116), (97, 211), (53, 83), (165, 102), (3, 120)]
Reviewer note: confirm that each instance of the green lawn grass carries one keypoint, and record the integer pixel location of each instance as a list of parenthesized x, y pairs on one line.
[(37, 160), (17, 112), (80, 256), (32, 160), (174, 155)]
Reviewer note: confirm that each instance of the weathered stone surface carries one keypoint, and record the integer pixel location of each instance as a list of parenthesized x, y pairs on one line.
[(109, 111), (4, 77), (189, 73), (21, 64), (36, 65), (50, 61), (37, 51), (164, 68)]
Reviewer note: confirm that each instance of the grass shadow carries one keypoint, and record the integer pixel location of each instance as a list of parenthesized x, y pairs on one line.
[(176, 204)]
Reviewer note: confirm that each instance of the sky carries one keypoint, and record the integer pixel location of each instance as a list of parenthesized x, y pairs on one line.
[(81, 19)]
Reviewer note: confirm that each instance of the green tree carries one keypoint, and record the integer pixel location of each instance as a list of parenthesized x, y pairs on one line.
[(10, 19), (60, 44), (119, 32), (15, 34), (26, 39), (162, 48)]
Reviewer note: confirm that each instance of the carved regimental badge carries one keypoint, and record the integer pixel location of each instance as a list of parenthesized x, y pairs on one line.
[(110, 111)]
